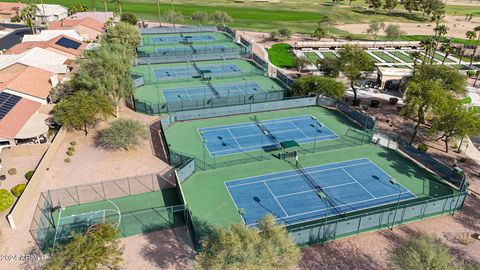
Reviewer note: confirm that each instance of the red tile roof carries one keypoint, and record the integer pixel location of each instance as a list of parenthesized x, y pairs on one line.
[(25, 46), (30, 81), (69, 24), (13, 122), (10, 8)]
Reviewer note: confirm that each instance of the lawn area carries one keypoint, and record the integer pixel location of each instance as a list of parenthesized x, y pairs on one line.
[(402, 56), (466, 100), (298, 15), (330, 55), (280, 55), (387, 58), (313, 57)]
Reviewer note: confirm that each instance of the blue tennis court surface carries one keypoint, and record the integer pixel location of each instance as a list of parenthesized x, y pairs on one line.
[(170, 73), (232, 139), (350, 186), (203, 92), (178, 38)]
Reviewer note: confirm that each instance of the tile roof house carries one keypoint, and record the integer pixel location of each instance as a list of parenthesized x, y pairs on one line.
[(50, 13), (87, 27), (62, 45), (38, 57), (102, 17), (28, 82), (45, 35), (9, 10)]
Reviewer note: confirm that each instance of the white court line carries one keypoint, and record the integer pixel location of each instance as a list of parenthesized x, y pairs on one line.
[(310, 190), (357, 182), (275, 198), (296, 127), (243, 124), (233, 137), (296, 173)]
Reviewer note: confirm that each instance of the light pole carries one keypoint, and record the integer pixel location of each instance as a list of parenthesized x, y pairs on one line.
[(188, 64), (394, 182), (246, 88), (149, 71), (242, 211), (323, 196), (204, 154), (223, 66)]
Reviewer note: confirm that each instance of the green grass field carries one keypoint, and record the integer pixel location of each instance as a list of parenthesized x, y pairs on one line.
[(387, 58), (299, 15), (401, 56), (313, 57), (440, 58), (330, 55), (280, 55)]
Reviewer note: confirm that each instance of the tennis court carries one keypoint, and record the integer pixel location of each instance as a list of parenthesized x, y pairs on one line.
[(180, 38), (188, 71), (208, 90), (258, 135), (305, 194)]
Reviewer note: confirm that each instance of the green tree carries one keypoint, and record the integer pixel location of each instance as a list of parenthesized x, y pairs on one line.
[(422, 252), (428, 89), (129, 18), (432, 7), (411, 5), (326, 22), (284, 32), (122, 134), (390, 4), (221, 17), (28, 14), (470, 36), (301, 63), (447, 49), (374, 4), (239, 247), (123, 33), (201, 17), (82, 110), (77, 8), (273, 35), (476, 29), (319, 33), (319, 85), (393, 31), (428, 44), (453, 121), (329, 66), (374, 28), (118, 6), (99, 248), (355, 64), (171, 16), (415, 55)]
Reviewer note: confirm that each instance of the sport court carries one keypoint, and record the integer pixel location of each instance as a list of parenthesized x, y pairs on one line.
[(189, 71), (305, 194), (258, 135), (183, 37), (208, 91)]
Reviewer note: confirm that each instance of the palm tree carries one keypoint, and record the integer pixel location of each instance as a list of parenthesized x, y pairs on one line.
[(440, 31), (28, 15), (476, 29), (427, 44), (447, 48), (470, 35), (118, 6), (105, 5), (94, 5), (415, 55)]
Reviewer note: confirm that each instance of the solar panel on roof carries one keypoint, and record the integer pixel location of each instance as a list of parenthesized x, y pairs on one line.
[(68, 43), (7, 102)]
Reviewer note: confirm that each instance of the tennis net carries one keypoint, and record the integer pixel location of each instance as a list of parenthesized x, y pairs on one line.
[(215, 92), (311, 182), (196, 67), (267, 132)]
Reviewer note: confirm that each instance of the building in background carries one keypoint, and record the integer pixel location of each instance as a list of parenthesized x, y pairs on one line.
[(88, 28), (9, 10), (50, 13)]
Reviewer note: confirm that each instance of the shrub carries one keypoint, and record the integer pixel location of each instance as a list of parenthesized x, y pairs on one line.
[(423, 147), (122, 134), (393, 101), (6, 199), (12, 171), (18, 189), (71, 149), (69, 153), (374, 103), (16, 19), (465, 238), (73, 143), (67, 160), (29, 175), (129, 18), (356, 102)]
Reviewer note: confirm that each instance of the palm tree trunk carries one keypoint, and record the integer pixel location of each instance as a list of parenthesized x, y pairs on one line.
[(105, 5), (446, 144), (414, 65), (474, 51), (354, 90), (444, 58), (476, 78)]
